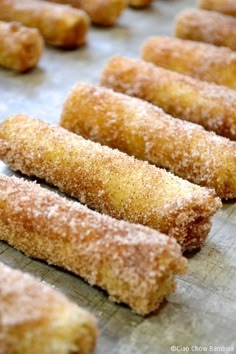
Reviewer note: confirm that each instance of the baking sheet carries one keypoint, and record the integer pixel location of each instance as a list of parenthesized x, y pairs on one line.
[(202, 312)]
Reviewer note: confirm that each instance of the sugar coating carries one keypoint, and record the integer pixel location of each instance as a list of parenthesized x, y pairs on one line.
[(227, 7), (200, 60), (145, 131), (60, 25), (108, 180), (206, 26), (37, 319), (134, 264), (212, 106)]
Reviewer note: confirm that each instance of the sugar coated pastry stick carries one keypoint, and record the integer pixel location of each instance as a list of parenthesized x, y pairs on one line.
[(212, 106), (134, 264), (145, 131), (20, 47), (200, 60), (109, 180), (227, 7), (101, 12), (60, 25), (139, 3), (207, 26), (35, 319)]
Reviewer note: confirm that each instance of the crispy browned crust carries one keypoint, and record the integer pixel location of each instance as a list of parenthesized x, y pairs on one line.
[(227, 7), (206, 26), (101, 12), (139, 3), (37, 319), (134, 264), (212, 106), (60, 25), (20, 47), (145, 131), (200, 60), (108, 180)]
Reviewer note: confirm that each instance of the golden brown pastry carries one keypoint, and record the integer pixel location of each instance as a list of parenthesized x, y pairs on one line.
[(212, 106), (20, 47), (146, 132), (227, 7), (101, 12), (60, 25), (134, 264), (200, 60), (206, 26), (35, 319), (108, 180), (139, 3)]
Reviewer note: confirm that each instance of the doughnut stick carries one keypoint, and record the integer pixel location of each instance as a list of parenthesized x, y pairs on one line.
[(210, 105), (145, 131), (139, 3), (60, 25), (227, 7), (20, 47), (200, 60), (37, 319), (104, 251), (206, 26), (101, 12), (108, 180)]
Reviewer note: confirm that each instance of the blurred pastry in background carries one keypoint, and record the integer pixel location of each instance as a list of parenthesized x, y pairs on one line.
[(200, 60), (101, 12), (227, 7), (60, 25), (206, 26), (20, 47)]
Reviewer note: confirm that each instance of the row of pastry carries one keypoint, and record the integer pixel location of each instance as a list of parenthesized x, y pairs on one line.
[(101, 249), (100, 12), (135, 264), (66, 26), (116, 184), (62, 23)]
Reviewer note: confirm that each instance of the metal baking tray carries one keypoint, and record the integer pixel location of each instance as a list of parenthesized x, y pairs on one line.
[(201, 314)]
